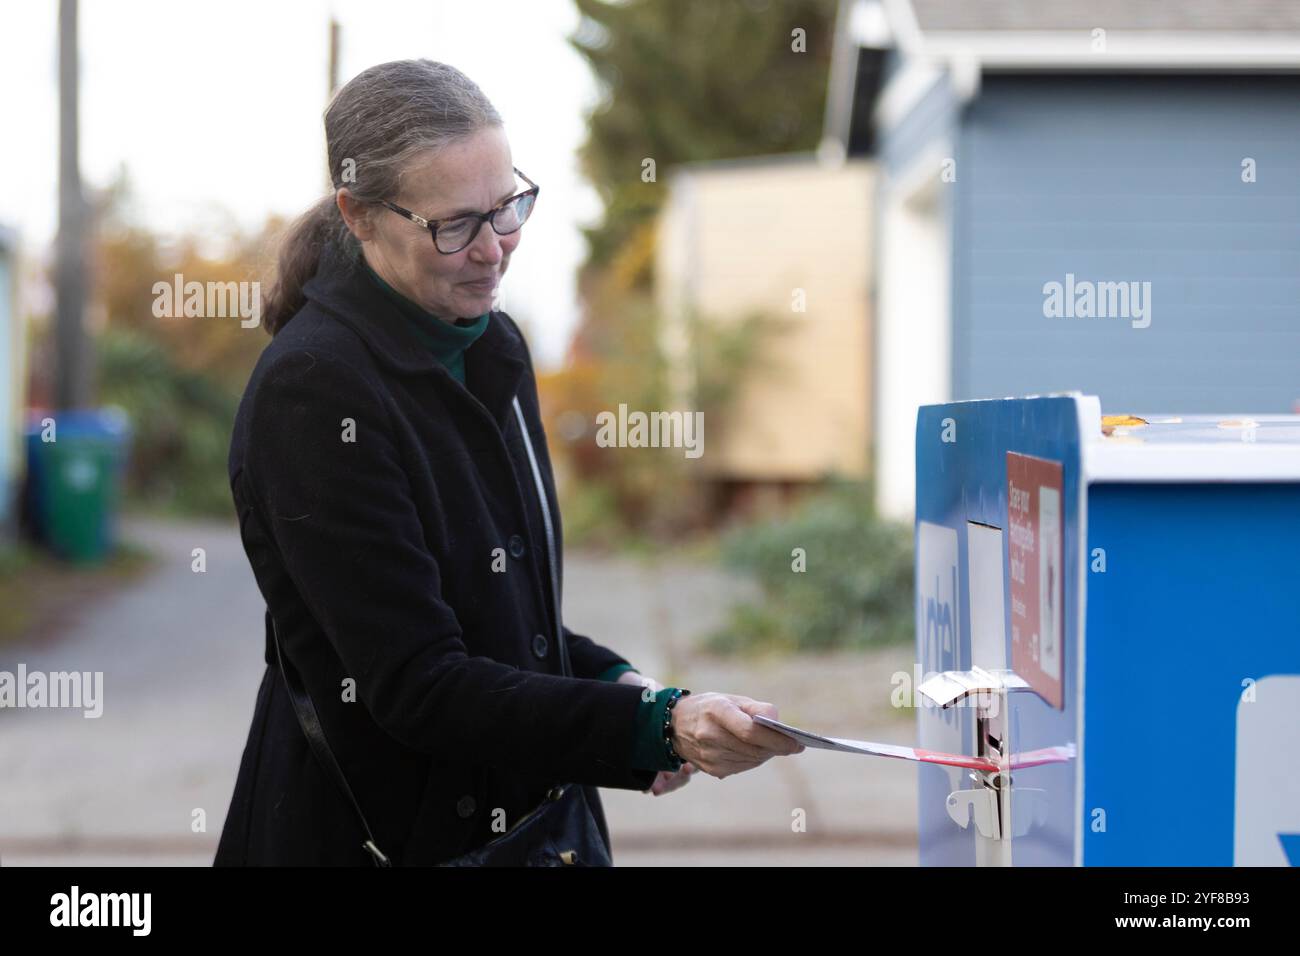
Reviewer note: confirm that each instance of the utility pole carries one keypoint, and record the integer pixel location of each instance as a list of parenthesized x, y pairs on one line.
[(334, 57), (333, 85), (72, 380)]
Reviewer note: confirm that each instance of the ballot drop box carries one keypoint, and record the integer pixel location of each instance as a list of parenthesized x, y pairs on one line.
[(1108, 624)]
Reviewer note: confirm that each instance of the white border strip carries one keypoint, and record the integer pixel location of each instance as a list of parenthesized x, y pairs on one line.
[(1088, 408), (1106, 461)]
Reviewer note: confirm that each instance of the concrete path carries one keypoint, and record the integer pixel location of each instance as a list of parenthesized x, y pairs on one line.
[(181, 654)]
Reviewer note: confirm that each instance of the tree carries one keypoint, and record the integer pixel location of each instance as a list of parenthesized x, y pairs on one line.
[(685, 81), (682, 81)]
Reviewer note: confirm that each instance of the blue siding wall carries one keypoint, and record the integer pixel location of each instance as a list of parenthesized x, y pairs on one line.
[(1131, 178)]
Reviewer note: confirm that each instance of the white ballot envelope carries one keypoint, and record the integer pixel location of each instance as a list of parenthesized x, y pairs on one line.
[(1032, 758)]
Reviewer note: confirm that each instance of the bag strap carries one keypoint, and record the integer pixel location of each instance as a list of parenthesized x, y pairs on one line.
[(311, 726), (552, 562)]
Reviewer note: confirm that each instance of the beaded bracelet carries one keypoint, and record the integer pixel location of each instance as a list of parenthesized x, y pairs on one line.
[(673, 758)]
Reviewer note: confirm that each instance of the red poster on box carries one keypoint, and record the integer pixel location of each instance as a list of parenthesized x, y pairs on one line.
[(1035, 551)]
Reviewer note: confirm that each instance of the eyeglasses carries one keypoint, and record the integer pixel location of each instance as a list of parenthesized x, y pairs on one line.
[(456, 232)]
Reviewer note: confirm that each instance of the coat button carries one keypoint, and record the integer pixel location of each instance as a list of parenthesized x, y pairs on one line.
[(466, 806), (516, 546), (539, 646)]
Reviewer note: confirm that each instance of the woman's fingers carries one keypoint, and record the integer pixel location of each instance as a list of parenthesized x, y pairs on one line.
[(733, 765), (666, 781), (718, 733), (669, 784), (771, 739), (722, 759), (757, 740), (722, 730)]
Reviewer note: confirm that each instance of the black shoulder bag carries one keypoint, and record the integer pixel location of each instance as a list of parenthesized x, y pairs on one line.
[(561, 831)]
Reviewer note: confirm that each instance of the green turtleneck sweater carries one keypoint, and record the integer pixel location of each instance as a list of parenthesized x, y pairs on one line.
[(448, 343)]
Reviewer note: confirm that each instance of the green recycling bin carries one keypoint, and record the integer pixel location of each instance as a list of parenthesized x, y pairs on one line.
[(78, 478)]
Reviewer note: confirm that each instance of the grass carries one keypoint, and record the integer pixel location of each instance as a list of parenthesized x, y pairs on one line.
[(40, 593)]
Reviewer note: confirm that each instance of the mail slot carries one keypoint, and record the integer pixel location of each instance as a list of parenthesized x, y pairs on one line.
[(1108, 619)]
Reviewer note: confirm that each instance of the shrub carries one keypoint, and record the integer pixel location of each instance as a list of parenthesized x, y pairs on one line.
[(856, 590)]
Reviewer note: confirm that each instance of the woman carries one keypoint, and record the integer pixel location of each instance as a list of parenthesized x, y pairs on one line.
[(389, 508)]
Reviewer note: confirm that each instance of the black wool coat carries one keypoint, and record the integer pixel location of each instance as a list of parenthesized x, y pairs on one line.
[(392, 523)]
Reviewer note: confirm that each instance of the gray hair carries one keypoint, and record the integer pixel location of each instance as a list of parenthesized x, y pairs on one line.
[(375, 125)]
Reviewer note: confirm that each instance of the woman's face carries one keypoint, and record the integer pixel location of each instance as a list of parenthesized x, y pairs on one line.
[(471, 175)]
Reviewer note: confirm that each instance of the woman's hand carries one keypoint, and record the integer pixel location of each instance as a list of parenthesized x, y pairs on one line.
[(666, 781), (717, 733)]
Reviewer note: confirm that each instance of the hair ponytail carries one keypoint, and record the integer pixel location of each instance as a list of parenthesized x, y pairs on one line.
[(297, 259)]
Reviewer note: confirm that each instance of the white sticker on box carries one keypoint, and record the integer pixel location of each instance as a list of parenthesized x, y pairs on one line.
[(1267, 807)]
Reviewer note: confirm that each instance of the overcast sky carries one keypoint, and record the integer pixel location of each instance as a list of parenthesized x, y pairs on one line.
[(214, 108)]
